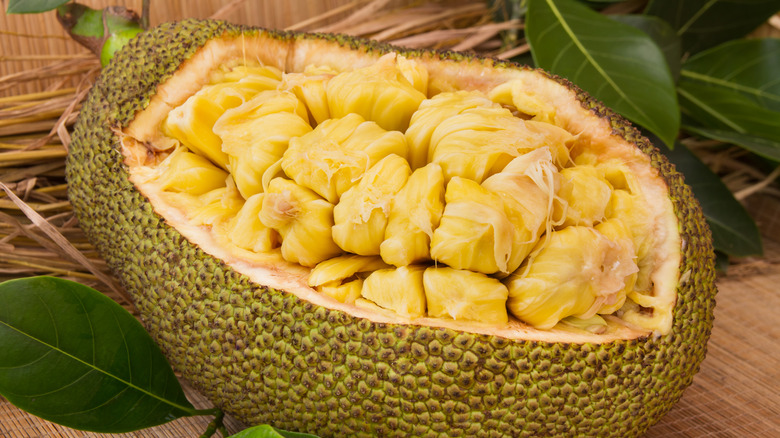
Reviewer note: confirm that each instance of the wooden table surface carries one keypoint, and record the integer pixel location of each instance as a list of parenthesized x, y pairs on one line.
[(736, 393)]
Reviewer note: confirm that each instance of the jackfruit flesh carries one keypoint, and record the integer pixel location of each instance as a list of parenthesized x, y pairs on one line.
[(464, 205)]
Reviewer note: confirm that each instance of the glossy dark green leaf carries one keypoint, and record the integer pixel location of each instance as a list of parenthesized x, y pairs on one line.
[(749, 67), (32, 6), (706, 23), (661, 33), (72, 356), (266, 431), (614, 62), (734, 232), (758, 145), (726, 110)]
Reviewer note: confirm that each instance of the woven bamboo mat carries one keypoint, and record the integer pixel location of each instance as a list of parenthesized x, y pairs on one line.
[(736, 393)]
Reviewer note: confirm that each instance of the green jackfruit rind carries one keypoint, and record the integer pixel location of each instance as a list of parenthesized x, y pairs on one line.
[(266, 356)]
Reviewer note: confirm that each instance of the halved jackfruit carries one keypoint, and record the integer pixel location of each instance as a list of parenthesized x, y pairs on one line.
[(271, 338)]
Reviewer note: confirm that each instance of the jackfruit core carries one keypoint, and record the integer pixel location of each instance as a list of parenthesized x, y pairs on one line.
[(385, 191)]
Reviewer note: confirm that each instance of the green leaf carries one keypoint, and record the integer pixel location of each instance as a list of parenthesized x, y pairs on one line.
[(734, 232), (758, 145), (662, 34), (32, 6), (749, 67), (706, 23), (726, 110), (614, 62), (72, 356), (266, 431)]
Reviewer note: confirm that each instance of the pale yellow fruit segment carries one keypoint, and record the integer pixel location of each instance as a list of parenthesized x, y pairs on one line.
[(184, 171), (335, 155), (527, 188), (414, 213), (192, 122), (474, 232), (431, 113), (256, 134), (361, 216), (465, 295), (518, 94), (398, 289), (583, 197), (310, 87), (381, 92), (303, 219), (342, 277), (246, 231), (572, 272), (479, 142)]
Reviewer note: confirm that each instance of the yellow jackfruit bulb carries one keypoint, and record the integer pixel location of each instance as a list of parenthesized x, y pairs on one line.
[(342, 277), (361, 215), (333, 157), (518, 94), (571, 272), (183, 171), (303, 219), (465, 295), (310, 87), (256, 134), (431, 113), (216, 206), (583, 197), (414, 213), (192, 122), (527, 187), (616, 231), (248, 73), (474, 232), (479, 142), (638, 218), (246, 231), (380, 92), (398, 289)]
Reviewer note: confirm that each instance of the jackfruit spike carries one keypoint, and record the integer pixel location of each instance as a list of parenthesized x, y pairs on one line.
[(397, 289), (310, 88), (333, 157), (256, 134), (465, 295), (583, 197), (303, 220), (246, 231), (414, 213), (338, 269), (431, 113), (379, 92), (192, 122), (474, 232), (361, 215), (527, 187), (571, 272), (518, 94), (183, 171)]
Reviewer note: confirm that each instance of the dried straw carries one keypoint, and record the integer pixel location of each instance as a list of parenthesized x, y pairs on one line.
[(39, 234)]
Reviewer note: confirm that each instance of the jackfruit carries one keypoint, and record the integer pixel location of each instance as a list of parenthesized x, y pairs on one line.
[(293, 336)]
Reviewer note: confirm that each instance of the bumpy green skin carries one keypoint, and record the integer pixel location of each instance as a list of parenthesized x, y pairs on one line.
[(266, 356)]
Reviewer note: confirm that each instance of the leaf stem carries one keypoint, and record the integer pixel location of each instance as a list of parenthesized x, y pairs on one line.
[(215, 424), (145, 14)]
